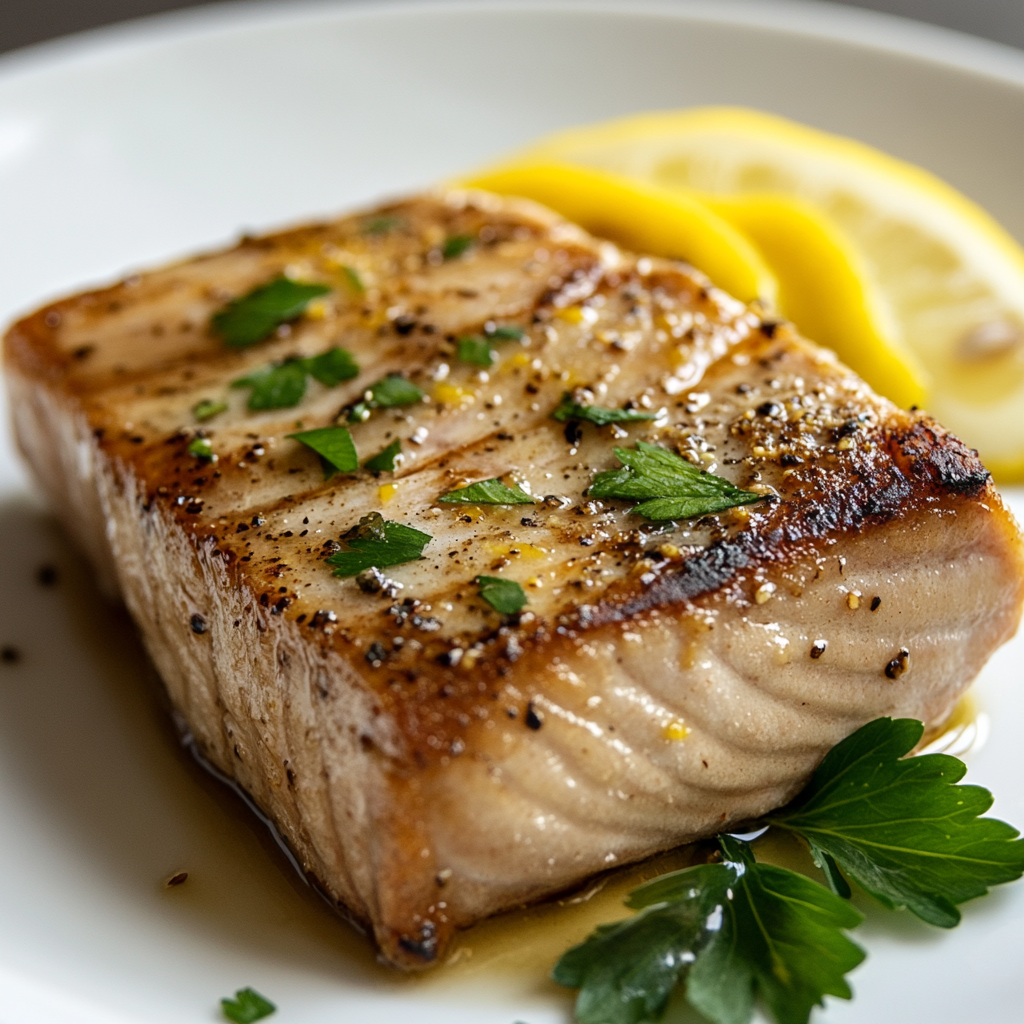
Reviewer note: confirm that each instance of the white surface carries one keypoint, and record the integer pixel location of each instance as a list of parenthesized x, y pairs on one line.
[(146, 142)]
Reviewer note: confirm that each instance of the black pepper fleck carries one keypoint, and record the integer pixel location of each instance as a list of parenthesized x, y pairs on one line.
[(534, 719), (198, 624)]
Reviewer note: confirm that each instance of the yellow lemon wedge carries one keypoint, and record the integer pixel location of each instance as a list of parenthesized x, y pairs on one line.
[(947, 280), (642, 217)]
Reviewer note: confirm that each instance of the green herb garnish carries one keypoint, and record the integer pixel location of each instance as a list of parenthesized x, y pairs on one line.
[(335, 447), (901, 828), (207, 409), (376, 542), (332, 367), (508, 333), (739, 931), (278, 386), (667, 486), (504, 596), (384, 462), (488, 492), (567, 409), (247, 1006), (479, 351), (355, 282), (283, 385), (476, 351), (382, 225), (256, 316), (456, 245), (201, 448), (393, 390)]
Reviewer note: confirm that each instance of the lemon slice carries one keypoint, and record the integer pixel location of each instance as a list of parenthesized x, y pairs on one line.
[(642, 217), (947, 277)]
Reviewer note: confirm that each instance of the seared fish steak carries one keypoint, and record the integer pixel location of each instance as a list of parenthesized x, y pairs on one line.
[(430, 760)]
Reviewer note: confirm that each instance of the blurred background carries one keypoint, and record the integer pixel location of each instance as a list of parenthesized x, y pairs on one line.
[(23, 22)]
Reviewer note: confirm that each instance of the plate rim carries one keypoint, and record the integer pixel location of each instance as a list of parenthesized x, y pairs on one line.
[(811, 19), (815, 19)]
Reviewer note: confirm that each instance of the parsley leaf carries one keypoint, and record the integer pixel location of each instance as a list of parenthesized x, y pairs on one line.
[(335, 447), (456, 245), (504, 596), (207, 409), (506, 333), (247, 1006), (735, 931), (283, 385), (201, 448), (668, 486), (332, 367), (382, 225), (354, 281), (477, 351), (902, 828), (385, 461), (278, 386), (256, 316), (389, 392), (488, 492), (567, 409), (376, 542)]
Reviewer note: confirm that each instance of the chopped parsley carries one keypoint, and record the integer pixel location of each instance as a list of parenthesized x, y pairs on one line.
[(254, 317), (476, 351), (382, 225), (504, 596), (247, 1006), (506, 333), (207, 409), (355, 282), (740, 931), (567, 409), (283, 385), (335, 447), (456, 245), (479, 351), (386, 460), (375, 543), (393, 390), (667, 486), (488, 492), (201, 448), (332, 367)]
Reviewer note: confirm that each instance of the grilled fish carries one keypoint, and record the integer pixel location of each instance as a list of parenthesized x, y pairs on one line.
[(429, 759)]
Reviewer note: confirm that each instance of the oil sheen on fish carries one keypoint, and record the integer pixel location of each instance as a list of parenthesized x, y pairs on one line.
[(429, 760)]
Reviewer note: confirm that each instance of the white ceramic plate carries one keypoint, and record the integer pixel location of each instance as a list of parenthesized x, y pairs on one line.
[(141, 143)]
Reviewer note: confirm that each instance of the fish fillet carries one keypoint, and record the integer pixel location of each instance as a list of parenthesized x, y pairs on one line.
[(428, 760)]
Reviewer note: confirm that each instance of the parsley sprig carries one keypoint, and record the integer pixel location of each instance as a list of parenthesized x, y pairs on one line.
[(902, 829), (283, 385), (254, 317), (739, 931), (375, 543), (667, 486)]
